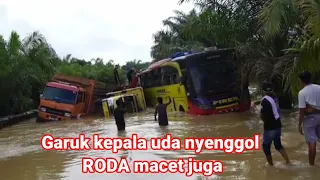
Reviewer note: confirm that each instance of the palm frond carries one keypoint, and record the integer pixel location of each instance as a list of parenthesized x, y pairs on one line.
[(276, 15)]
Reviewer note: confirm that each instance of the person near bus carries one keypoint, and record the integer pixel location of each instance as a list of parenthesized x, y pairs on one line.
[(161, 111), (272, 124), (135, 81), (119, 116), (130, 73), (116, 75)]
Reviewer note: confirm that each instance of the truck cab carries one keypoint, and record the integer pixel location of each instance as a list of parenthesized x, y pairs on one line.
[(69, 97), (129, 102), (60, 101), (132, 98)]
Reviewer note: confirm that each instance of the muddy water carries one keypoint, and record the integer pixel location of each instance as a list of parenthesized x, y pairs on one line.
[(21, 156)]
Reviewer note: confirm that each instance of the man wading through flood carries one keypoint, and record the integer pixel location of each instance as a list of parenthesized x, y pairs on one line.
[(272, 124), (161, 110), (309, 115), (119, 115)]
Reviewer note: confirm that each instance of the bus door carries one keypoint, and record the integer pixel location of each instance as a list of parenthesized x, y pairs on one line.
[(167, 90), (181, 103), (170, 107)]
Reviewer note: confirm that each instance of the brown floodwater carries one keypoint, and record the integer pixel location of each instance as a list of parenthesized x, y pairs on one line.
[(21, 156)]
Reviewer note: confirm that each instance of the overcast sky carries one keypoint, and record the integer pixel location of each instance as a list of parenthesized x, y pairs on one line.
[(111, 29)]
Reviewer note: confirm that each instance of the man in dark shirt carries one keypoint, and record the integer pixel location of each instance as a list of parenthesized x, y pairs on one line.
[(272, 124), (119, 116)]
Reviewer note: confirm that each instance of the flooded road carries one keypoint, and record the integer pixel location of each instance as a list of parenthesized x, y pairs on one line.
[(21, 156)]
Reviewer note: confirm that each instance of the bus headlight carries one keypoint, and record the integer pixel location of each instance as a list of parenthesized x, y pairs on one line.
[(67, 114), (43, 109)]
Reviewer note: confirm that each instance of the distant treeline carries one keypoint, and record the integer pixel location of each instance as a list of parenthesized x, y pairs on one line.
[(275, 39), (27, 64)]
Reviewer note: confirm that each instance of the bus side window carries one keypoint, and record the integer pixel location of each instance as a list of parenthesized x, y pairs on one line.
[(148, 80), (170, 75), (143, 80), (151, 80), (174, 77), (167, 80), (164, 77), (157, 77)]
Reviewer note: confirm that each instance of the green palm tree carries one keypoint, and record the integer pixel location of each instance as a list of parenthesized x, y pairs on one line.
[(174, 37), (235, 23), (301, 19), (25, 66)]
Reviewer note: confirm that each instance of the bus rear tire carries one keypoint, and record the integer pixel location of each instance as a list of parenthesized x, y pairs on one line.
[(181, 109)]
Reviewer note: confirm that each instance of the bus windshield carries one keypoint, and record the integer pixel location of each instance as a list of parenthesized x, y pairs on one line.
[(59, 95), (212, 77)]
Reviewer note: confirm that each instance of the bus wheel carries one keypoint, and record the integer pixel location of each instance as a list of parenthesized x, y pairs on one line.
[(181, 109)]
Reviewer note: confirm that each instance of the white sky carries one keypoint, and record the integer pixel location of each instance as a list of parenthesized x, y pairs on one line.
[(119, 30)]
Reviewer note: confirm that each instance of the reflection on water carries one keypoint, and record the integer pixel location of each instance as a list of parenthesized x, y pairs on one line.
[(21, 156)]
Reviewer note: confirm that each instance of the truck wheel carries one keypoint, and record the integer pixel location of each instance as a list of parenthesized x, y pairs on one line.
[(181, 109)]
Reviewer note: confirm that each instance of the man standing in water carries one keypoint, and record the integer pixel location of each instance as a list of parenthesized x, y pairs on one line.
[(161, 109), (119, 116), (309, 115), (272, 124)]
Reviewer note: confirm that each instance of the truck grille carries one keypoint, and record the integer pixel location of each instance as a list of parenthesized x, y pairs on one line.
[(55, 111)]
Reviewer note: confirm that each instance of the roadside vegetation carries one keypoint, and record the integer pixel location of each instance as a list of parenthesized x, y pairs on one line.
[(275, 40), (26, 64)]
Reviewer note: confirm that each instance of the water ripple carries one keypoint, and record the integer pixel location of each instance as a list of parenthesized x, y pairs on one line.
[(19, 147)]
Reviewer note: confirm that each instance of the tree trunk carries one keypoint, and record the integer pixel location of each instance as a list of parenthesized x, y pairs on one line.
[(285, 98), (285, 101)]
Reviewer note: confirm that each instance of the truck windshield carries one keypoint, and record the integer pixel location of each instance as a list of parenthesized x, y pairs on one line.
[(212, 77), (59, 95)]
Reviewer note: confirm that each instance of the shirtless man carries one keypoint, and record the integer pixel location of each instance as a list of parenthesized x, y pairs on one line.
[(161, 109)]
